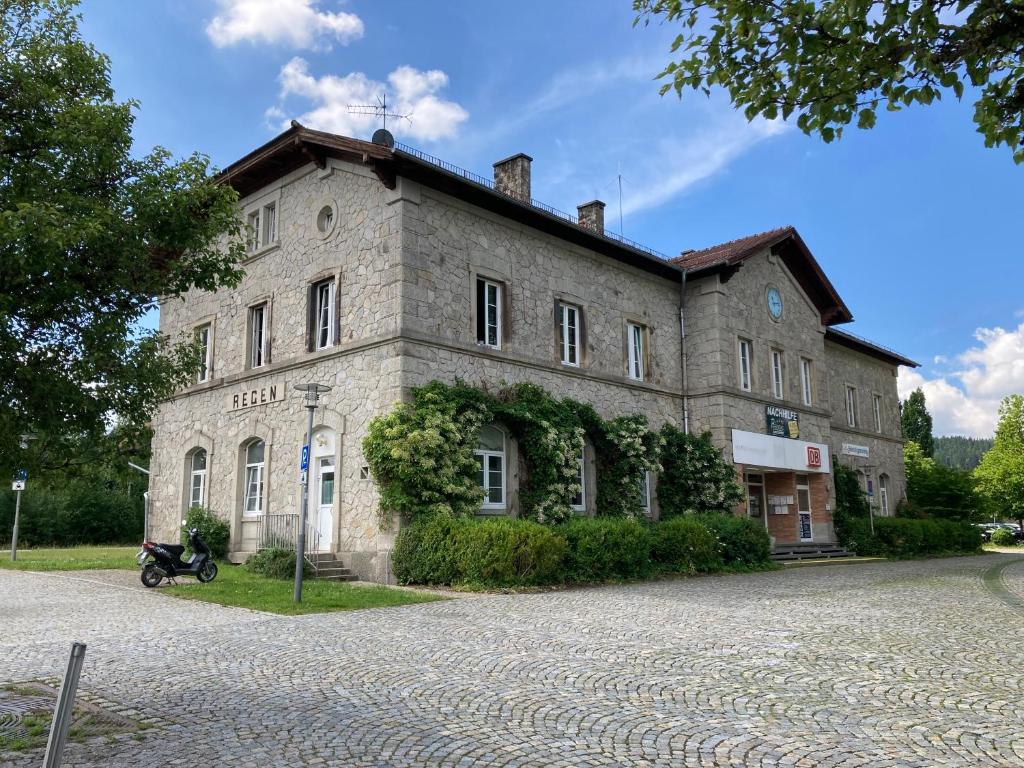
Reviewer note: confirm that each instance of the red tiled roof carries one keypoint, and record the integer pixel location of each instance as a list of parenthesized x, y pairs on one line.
[(734, 250), (795, 254)]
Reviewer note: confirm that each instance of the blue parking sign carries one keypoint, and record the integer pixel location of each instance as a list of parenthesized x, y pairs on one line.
[(304, 462)]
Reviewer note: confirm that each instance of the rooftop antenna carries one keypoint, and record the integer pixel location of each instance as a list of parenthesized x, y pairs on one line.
[(619, 178), (380, 109)]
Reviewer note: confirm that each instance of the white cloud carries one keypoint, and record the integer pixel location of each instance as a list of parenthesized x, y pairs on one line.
[(295, 22), (410, 92), (965, 401)]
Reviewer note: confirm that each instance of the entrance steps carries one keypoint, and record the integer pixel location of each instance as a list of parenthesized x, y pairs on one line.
[(784, 553), (329, 567)]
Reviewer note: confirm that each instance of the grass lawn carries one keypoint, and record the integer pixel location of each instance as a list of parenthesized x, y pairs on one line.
[(71, 559), (238, 587)]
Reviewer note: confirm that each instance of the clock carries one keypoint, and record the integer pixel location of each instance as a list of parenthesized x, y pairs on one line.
[(774, 303)]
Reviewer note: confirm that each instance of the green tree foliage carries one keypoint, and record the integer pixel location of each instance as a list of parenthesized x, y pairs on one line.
[(851, 502), (90, 234), (957, 452), (917, 422), (695, 476), (1000, 475), (937, 491), (833, 62)]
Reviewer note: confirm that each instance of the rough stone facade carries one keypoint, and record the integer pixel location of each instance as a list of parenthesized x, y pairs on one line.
[(405, 259)]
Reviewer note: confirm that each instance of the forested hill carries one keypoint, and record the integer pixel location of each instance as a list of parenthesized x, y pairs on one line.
[(960, 452)]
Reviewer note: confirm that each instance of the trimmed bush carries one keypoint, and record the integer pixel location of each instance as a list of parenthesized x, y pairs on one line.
[(424, 551), (1001, 537), (215, 532), (903, 537), (276, 564), (506, 552), (684, 545), (743, 541), (602, 548)]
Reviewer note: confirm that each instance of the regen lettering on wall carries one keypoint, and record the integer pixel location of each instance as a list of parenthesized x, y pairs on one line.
[(256, 396)]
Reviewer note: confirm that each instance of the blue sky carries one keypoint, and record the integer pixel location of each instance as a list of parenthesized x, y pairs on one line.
[(916, 223)]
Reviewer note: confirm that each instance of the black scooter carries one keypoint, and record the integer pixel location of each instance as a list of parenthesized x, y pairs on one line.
[(167, 562)]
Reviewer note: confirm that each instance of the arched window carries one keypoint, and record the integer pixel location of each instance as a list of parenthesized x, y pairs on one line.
[(579, 501), (490, 458), (197, 479), (883, 493), (254, 463)]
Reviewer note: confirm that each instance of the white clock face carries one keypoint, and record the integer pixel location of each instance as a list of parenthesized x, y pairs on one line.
[(774, 303)]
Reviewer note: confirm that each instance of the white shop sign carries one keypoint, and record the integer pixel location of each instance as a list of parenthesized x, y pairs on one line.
[(770, 452), (248, 397), (851, 449)]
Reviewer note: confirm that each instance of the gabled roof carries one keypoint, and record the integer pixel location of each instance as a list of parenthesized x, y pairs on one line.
[(858, 344), (787, 243), (299, 146)]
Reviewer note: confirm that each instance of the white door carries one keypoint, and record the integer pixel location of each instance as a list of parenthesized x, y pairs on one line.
[(803, 507), (325, 502)]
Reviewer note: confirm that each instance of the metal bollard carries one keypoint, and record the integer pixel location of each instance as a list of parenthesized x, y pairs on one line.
[(65, 707)]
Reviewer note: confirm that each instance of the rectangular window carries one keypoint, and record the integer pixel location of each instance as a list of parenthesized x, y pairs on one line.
[(257, 335), (491, 477), (569, 334), (876, 401), (203, 337), (755, 495), (645, 493), (777, 386), (488, 313), (254, 489), (745, 375), (635, 352), (253, 224), (851, 406), (579, 501), (324, 314), (269, 224), (805, 380)]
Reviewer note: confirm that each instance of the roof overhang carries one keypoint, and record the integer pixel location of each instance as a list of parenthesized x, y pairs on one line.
[(866, 347)]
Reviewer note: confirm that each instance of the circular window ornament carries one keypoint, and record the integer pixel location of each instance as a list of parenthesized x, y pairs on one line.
[(774, 300), (326, 217)]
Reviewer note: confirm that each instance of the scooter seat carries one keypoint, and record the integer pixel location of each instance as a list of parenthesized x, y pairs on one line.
[(175, 549)]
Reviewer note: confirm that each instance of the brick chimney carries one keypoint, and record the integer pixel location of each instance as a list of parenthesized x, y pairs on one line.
[(591, 216), (512, 176)]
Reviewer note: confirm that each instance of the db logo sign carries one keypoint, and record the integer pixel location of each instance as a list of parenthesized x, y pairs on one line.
[(813, 457)]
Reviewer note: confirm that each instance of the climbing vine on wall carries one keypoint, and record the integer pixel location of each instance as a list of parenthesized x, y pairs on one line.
[(421, 454)]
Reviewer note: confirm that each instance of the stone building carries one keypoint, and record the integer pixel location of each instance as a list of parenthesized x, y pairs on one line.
[(375, 270)]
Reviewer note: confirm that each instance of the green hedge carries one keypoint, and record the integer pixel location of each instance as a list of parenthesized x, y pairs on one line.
[(275, 563), (744, 541), (213, 530), (902, 537), (78, 512), (685, 545), (505, 552), (602, 548), (1002, 537)]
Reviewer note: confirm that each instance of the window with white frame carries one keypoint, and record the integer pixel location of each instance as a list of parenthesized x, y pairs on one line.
[(805, 380), (197, 479), (569, 334), (645, 493), (777, 386), (744, 362), (205, 352), (883, 493), (490, 459), (488, 313), (579, 501), (635, 351), (876, 402), (258, 335), (261, 227), (324, 300), (851, 406), (254, 463)]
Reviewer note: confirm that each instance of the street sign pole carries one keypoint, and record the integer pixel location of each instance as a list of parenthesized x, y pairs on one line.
[(17, 515), (313, 392)]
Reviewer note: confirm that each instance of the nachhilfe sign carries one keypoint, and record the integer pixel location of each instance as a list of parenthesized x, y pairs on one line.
[(769, 452), (252, 396)]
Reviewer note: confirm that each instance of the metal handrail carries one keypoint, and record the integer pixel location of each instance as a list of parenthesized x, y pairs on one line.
[(550, 210), (281, 531)]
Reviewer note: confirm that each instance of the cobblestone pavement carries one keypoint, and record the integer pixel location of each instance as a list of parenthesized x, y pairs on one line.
[(879, 664)]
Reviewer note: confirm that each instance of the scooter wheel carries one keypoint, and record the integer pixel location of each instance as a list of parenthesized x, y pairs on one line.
[(151, 577), (208, 572)]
